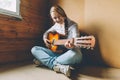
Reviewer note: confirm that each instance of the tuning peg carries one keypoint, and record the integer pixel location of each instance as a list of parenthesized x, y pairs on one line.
[(80, 46), (84, 46), (92, 48), (81, 37), (88, 47)]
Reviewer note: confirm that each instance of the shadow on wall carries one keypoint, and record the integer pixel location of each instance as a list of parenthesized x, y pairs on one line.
[(53, 2), (93, 57)]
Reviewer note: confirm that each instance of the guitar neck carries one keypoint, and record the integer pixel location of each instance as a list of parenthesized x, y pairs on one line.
[(85, 42), (60, 42)]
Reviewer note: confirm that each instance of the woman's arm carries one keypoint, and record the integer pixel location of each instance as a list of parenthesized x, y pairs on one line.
[(73, 33), (45, 36)]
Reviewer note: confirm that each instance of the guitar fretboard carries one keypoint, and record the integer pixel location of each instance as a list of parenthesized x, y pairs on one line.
[(60, 42)]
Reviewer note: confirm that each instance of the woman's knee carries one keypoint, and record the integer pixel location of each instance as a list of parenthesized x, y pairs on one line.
[(34, 49), (75, 54), (72, 53)]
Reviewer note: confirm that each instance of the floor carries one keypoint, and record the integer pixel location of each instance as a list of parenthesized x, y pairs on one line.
[(29, 71)]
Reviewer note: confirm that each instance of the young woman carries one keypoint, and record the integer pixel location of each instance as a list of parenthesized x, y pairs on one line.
[(69, 55)]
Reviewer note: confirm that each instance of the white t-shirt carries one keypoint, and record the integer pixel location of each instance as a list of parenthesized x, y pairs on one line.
[(59, 28)]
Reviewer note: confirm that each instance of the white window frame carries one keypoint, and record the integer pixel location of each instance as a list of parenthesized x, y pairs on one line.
[(12, 13)]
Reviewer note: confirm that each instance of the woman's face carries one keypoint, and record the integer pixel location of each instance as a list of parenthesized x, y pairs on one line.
[(57, 18)]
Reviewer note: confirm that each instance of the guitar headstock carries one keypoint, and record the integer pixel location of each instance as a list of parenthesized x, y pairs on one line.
[(85, 42)]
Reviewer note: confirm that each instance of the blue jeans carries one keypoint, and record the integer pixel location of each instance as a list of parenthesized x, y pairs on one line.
[(49, 58)]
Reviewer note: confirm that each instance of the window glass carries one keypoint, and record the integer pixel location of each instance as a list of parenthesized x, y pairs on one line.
[(10, 7)]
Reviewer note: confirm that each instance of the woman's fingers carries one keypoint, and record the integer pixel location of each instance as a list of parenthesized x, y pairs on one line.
[(68, 44), (47, 42)]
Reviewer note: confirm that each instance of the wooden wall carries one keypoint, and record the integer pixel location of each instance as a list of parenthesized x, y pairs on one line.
[(17, 37)]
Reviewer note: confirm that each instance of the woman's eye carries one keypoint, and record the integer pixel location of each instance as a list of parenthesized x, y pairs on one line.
[(55, 17), (58, 17)]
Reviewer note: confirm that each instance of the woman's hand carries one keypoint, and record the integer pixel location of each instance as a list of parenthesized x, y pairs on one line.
[(47, 43), (69, 45)]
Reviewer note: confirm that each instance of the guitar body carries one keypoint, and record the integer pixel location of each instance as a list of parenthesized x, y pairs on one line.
[(53, 37)]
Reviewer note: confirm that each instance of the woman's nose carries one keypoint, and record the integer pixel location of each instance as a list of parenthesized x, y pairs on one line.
[(57, 19)]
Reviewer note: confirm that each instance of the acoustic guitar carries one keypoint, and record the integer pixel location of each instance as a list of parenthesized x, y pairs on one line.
[(82, 42)]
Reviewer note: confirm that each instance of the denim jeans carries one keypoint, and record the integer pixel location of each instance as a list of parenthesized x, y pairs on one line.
[(49, 58)]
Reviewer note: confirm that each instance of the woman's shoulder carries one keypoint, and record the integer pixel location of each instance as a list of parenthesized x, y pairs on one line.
[(71, 22)]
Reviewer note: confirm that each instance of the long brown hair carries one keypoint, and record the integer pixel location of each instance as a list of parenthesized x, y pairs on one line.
[(59, 10)]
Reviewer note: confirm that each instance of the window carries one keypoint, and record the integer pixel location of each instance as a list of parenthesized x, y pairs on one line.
[(10, 7)]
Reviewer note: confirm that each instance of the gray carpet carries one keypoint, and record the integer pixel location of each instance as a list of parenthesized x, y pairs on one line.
[(29, 71)]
